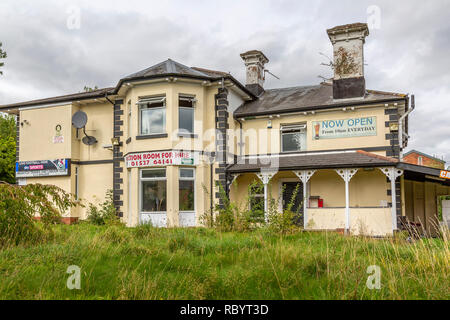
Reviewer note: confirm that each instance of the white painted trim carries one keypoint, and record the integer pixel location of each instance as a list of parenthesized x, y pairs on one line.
[(308, 153), (47, 105)]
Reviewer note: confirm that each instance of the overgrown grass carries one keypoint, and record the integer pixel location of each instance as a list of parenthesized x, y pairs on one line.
[(149, 263)]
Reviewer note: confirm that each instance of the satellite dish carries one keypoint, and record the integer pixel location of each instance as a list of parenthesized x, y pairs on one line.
[(88, 140), (79, 119)]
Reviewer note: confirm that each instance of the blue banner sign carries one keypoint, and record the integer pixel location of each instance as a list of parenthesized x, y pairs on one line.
[(42, 168), (345, 128)]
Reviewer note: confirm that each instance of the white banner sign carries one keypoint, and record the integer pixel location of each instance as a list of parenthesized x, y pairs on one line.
[(345, 128), (161, 158)]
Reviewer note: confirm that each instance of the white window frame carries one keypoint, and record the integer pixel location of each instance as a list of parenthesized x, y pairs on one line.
[(146, 101), (420, 160), (192, 99), (187, 179), (141, 179), (293, 127)]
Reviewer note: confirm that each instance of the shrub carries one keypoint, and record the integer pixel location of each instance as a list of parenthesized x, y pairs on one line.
[(231, 216), (106, 214), (20, 204), (284, 222)]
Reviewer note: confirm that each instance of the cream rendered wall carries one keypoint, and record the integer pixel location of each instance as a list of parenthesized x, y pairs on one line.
[(363, 221), (36, 138), (94, 181), (100, 125), (260, 140), (36, 143)]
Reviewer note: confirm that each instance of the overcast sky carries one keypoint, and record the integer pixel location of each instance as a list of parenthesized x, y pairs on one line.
[(57, 47)]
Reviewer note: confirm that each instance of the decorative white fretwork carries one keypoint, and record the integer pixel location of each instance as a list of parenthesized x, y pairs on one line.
[(304, 176), (266, 176), (233, 178), (391, 172), (346, 174)]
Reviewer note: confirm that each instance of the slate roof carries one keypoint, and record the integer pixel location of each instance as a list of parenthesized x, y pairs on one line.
[(329, 160), (306, 98), (169, 67), (99, 93)]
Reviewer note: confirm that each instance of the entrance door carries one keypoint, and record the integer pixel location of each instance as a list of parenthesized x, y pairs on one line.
[(288, 191)]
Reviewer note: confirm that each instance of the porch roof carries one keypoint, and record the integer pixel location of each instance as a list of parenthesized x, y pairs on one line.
[(322, 160)]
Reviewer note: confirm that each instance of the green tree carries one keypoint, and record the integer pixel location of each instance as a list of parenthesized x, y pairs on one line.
[(7, 148), (2, 56), (89, 89)]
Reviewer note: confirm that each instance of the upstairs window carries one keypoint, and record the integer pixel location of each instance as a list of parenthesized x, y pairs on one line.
[(293, 138), (419, 160), (186, 114), (152, 115)]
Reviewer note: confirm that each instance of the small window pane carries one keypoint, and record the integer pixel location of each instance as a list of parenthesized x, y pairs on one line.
[(186, 173), (186, 196), (158, 173), (185, 102), (154, 196), (186, 120), (153, 120), (291, 141)]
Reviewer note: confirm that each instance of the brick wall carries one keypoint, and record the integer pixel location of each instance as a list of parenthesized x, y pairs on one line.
[(413, 158)]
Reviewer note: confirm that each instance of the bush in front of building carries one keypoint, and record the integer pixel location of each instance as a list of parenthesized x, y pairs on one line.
[(286, 221), (21, 205), (249, 215), (105, 214)]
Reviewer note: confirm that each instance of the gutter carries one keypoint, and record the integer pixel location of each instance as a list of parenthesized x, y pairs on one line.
[(315, 108)]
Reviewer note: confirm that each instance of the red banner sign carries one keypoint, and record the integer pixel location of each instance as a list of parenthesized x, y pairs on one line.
[(161, 158)]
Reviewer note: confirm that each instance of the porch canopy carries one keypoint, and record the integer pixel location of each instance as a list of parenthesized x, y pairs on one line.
[(313, 160), (304, 165), (346, 164)]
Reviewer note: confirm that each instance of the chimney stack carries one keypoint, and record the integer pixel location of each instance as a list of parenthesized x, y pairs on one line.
[(348, 51), (254, 62)]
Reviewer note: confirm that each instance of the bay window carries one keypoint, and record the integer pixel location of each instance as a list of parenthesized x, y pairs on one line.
[(153, 190), (293, 138), (152, 115)]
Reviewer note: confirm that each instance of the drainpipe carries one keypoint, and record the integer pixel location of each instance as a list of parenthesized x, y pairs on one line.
[(400, 127), (240, 137)]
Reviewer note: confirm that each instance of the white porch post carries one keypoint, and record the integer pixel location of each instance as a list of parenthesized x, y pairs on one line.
[(304, 176), (265, 177), (347, 175), (392, 173)]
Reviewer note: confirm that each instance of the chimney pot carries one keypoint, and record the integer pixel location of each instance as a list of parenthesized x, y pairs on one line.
[(348, 51), (254, 63)]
